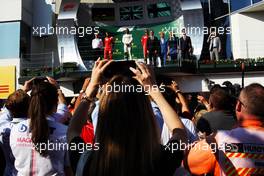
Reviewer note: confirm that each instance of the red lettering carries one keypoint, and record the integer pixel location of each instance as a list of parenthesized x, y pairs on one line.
[(24, 140)]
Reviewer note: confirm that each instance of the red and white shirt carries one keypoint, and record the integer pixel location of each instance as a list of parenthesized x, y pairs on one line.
[(28, 161)]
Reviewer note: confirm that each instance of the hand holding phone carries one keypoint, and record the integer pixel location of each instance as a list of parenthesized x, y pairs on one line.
[(120, 68)]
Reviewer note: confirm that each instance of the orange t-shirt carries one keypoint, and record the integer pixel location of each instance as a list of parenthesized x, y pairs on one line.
[(201, 160)]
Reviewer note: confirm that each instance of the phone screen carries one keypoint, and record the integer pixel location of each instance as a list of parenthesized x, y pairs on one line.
[(39, 80), (120, 68)]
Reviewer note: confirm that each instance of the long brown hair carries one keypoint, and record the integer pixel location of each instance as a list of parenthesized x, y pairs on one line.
[(127, 133), (17, 103), (44, 99)]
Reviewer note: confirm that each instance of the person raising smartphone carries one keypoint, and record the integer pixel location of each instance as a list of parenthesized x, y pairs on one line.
[(123, 148), (39, 143)]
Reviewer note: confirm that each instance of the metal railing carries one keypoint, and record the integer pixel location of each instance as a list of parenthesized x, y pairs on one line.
[(42, 64), (37, 64)]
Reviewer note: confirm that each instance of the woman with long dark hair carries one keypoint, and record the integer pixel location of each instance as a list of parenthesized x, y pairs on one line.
[(127, 136), (38, 144)]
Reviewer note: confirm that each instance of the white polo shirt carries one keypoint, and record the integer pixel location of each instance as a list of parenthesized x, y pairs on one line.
[(28, 161)]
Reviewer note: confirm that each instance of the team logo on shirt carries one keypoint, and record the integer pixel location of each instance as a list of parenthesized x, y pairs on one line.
[(23, 128)]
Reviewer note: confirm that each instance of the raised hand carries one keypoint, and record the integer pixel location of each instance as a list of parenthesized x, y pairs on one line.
[(145, 76), (97, 76), (28, 85), (53, 81)]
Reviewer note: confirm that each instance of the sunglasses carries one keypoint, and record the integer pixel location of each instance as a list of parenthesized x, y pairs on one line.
[(243, 104)]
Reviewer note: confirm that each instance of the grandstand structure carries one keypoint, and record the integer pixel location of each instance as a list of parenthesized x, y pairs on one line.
[(53, 37)]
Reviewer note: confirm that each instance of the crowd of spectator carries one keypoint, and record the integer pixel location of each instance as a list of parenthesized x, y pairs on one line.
[(127, 133)]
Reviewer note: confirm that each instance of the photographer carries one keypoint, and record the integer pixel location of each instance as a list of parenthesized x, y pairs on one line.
[(171, 96), (30, 139), (125, 149)]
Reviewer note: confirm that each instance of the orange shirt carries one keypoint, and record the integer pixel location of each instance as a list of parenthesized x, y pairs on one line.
[(201, 160)]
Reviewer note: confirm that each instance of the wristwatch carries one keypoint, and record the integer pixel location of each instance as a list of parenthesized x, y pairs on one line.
[(177, 91), (86, 98)]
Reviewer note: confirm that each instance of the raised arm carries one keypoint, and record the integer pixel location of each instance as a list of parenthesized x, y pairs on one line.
[(203, 101), (82, 91), (146, 78), (81, 114), (61, 96), (63, 114), (181, 98)]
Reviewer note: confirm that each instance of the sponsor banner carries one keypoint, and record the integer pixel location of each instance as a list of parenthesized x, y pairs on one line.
[(7, 81), (245, 148)]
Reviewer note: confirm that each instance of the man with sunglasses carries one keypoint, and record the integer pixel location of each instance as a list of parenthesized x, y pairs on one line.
[(239, 151)]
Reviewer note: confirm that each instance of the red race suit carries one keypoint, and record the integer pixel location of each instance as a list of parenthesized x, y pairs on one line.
[(108, 42), (144, 41)]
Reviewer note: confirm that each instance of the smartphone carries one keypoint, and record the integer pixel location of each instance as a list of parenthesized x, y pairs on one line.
[(120, 68), (38, 80)]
